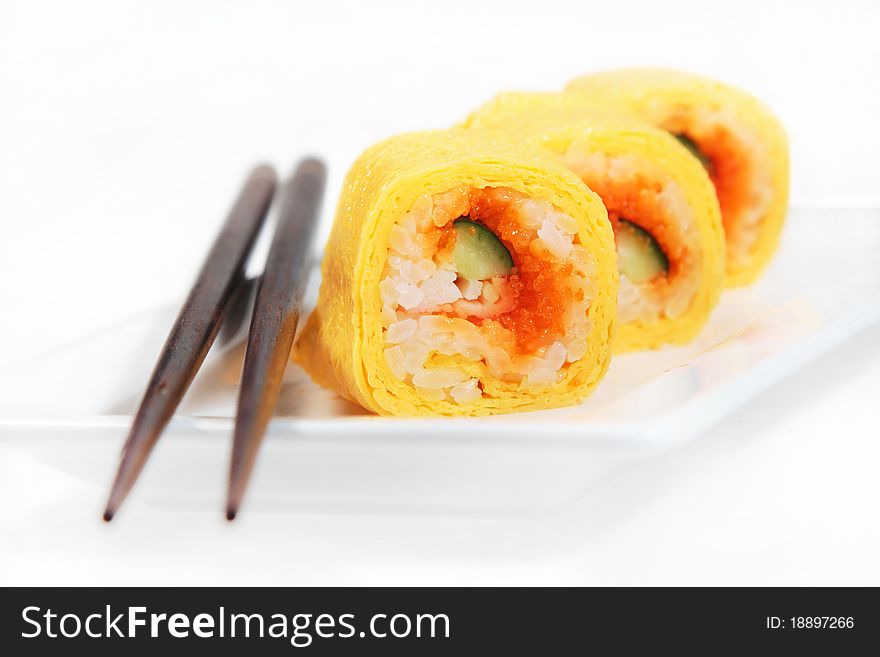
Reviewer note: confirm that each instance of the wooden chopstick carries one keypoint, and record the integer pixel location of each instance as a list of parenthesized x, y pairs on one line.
[(195, 328), (273, 325)]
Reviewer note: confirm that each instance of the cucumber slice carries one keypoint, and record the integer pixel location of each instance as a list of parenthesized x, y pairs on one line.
[(695, 151), (639, 257), (479, 254)]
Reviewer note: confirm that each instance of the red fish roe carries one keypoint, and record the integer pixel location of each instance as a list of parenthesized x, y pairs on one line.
[(636, 200), (540, 284), (443, 238), (730, 172)]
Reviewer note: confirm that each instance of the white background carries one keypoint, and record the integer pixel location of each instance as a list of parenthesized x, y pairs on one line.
[(125, 128)]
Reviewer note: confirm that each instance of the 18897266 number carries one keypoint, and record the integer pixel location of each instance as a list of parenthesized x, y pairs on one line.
[(810, 622)]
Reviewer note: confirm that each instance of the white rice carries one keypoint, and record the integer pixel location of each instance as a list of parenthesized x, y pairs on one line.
[(421, 295)]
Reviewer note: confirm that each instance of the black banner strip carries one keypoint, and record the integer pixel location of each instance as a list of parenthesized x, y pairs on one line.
[(281, 621)]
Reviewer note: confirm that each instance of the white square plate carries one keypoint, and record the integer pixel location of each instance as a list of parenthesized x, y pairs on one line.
[(68, 411)]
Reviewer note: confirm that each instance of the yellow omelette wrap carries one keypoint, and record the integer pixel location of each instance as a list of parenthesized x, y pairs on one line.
[(464, 275), (742, 143), (660, 201)]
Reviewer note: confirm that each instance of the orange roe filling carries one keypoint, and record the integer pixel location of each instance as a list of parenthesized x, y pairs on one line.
[(731, 172), (541, 285), (442, 240), (636, 201)]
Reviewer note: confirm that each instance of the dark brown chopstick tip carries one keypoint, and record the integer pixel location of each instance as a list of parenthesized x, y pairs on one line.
[(312, 165), (230, 514), (264, 170), (108, 515)]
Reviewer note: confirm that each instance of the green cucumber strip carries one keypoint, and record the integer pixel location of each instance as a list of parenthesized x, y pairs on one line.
[(639, 256), (478, 254), (686, 141)]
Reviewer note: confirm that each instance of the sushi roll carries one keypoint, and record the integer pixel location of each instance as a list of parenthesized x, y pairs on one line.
[(741, 143), (464, 275), (660, 201)]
